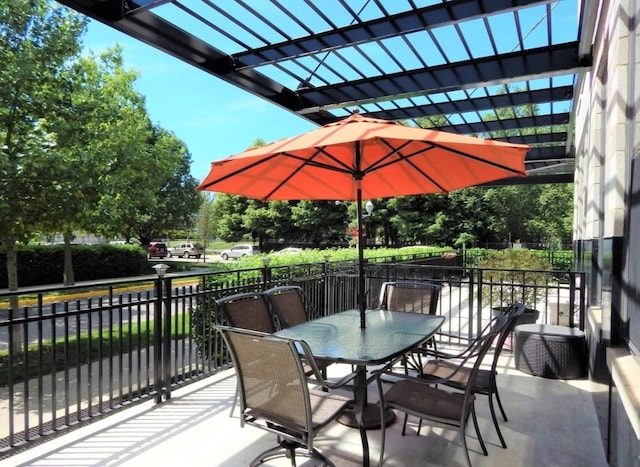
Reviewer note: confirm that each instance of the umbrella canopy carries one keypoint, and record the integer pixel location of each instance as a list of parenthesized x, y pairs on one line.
[(362, 158)]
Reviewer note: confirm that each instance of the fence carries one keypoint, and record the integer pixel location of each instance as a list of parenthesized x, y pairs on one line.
[(66, 361)]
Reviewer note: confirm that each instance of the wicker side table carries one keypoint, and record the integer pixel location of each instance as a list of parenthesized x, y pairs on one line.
[(550, 351)]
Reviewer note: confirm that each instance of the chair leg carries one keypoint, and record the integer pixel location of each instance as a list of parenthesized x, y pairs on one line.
[(495, 421), (382, 423), (235, 399), (463, 437), (504, 415), (404, 424), (475, 424), (288, 449)]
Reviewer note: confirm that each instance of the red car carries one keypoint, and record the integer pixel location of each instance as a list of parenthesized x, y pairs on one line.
[(156, 250)]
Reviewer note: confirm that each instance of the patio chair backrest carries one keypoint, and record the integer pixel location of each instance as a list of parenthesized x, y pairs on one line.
[(288, 304), (247, 311), (271, 378), (411, 296), (481, 346), (513, 314)]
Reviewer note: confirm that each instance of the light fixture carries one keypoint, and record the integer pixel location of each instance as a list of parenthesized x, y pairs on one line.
[(369, 208), (161, 269)]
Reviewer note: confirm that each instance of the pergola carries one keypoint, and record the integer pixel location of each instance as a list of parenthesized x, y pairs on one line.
[(500, 69)]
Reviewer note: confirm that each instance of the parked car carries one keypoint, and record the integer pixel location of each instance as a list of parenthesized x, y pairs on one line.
[(239, 251), (157, 250), (186, 250)]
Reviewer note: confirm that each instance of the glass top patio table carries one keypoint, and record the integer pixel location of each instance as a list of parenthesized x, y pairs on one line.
[(388, 334)]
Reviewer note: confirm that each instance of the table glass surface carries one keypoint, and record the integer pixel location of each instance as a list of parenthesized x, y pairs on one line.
[(387, 334)]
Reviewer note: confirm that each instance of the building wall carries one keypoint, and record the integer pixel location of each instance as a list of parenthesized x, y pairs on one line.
[(606, 138)]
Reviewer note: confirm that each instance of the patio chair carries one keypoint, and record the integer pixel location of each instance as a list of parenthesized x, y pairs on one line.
[(288, 304), (414, 297), (275, 395), (423, 399), (248, 310), (485, 382), (290, 307)]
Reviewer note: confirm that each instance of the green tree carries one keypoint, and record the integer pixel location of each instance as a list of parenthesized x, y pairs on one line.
[(320, 222), (553, 223), (102, 129), (37, 41), (167, 198), (228, 210)]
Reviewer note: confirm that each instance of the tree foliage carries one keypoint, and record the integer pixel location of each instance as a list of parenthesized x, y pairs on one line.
[(79, 152), (533, 214)]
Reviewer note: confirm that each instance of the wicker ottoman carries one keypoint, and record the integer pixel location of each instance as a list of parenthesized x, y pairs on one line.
[(550, 351)]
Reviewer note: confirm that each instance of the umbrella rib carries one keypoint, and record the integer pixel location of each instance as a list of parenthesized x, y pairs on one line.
[(431, 145), (308, 162), (379, 165), (293, 156), (240, 170), (478, 159)]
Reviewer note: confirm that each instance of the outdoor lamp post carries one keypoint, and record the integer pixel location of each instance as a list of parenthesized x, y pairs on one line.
[(160, 357), (369, 208), (161, 269)]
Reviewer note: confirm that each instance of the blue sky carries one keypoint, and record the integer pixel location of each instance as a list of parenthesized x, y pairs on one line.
[(213, 118), (216, 119)]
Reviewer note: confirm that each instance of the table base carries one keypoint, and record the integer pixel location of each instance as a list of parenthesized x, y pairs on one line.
[(370, 417)]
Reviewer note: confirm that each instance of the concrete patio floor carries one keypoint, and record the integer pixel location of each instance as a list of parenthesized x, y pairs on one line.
[(551, 423)]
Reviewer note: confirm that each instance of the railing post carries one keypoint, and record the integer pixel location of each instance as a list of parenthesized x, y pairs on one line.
[(266, 273), (325, 295), (157, 347), (166, 343), (478, 300)]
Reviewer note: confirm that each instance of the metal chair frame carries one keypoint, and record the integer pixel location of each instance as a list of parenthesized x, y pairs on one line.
[(486, 383), (280, 400), (419, 397)]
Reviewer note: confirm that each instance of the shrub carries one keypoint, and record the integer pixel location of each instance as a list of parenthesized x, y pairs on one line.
[(514, 275)]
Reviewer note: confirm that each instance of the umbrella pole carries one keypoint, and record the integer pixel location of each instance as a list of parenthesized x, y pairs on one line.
[(361, 285)]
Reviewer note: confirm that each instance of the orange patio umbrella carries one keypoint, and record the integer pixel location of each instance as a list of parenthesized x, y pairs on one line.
[(363, 158)]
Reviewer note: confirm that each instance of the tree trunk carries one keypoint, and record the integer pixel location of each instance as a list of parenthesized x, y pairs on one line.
[(12, 283), (68, 276)]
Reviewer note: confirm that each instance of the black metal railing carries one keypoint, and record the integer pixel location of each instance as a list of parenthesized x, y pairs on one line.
[(71, 354)]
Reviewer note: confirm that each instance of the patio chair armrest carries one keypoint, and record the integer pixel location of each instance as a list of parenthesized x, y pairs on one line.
[(464, 354), (332, 385), (401, 376), (342, 381)]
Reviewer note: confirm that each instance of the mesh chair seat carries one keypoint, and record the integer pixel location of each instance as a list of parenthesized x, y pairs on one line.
[(421, 399), (324, 405)]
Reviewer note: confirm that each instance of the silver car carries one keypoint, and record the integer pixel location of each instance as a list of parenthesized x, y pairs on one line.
[(239, 251), (186, 250)]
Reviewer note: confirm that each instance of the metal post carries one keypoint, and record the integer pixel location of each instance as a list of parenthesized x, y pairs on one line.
[(266, 273), (166, 343), (157, 347)]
